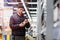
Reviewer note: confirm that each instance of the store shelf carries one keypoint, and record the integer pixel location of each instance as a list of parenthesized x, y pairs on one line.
[(32, 8), (21, 2)]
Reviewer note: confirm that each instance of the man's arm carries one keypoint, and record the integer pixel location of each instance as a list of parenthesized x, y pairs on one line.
[(12, 25), (15, 26)]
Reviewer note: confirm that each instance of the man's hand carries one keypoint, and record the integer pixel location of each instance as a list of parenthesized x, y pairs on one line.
[(25, 21), (22, 24)]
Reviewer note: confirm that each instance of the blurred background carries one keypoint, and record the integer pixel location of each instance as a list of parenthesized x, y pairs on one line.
[(38, 13)]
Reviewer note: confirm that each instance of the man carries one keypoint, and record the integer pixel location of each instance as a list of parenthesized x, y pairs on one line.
[(18, 22)]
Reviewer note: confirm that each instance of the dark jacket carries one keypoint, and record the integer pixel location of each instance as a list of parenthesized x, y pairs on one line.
[(15, 20)]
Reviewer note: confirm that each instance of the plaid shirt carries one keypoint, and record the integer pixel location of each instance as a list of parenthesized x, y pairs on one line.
[(15, 20)]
